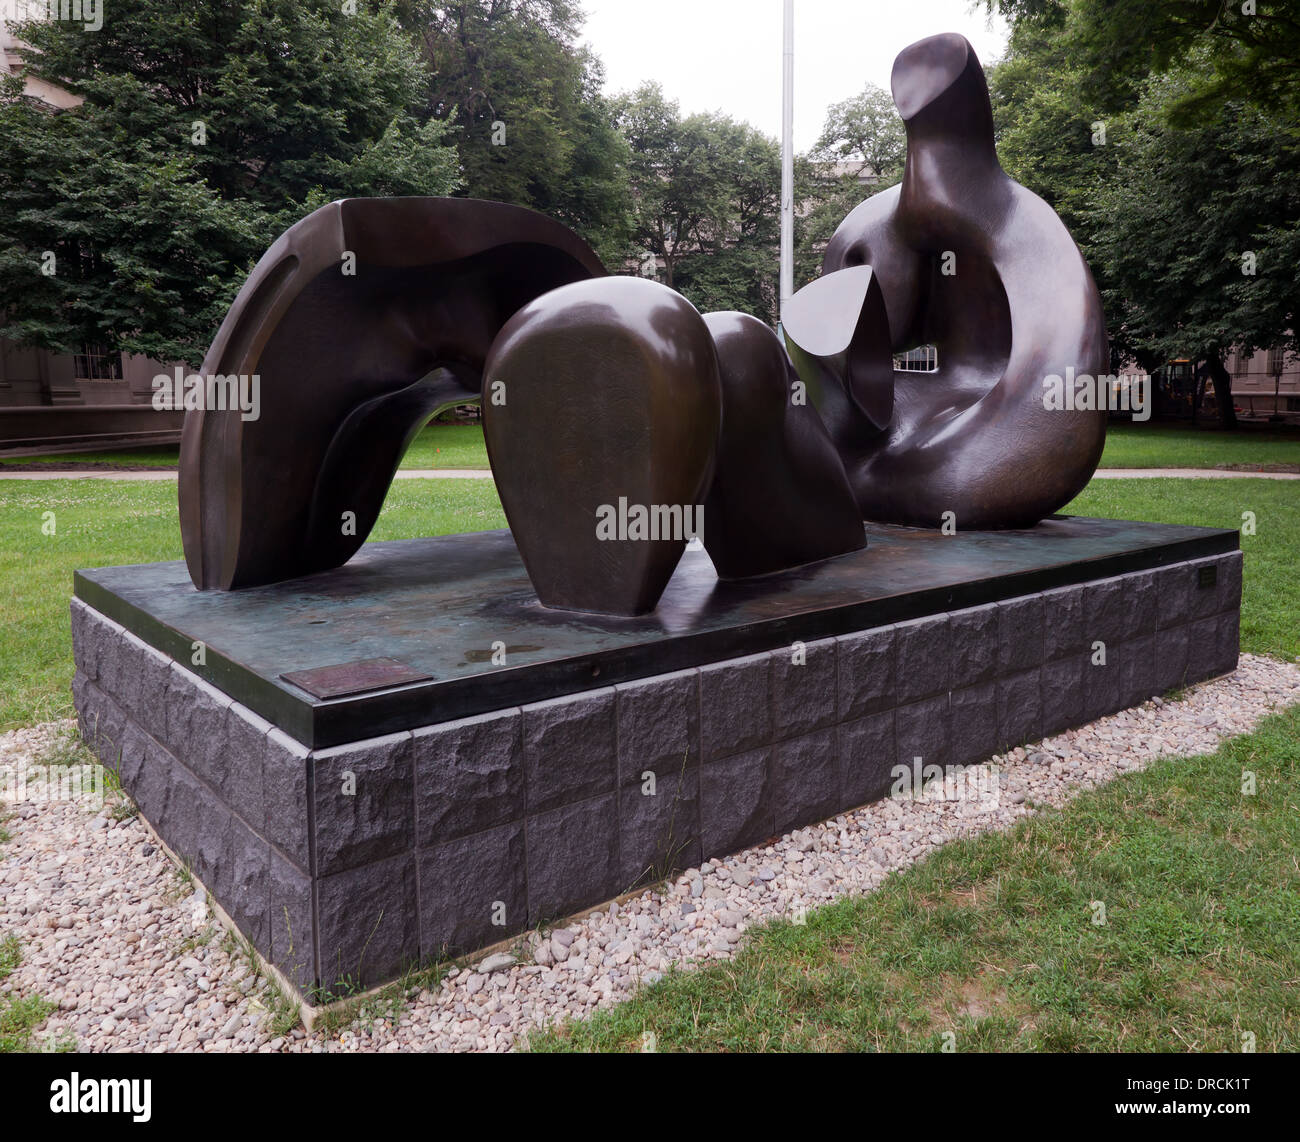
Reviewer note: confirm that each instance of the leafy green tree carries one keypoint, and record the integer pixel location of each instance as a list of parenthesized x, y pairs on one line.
[(1133, 122), (1198, 262), (707, 202), (204, 131), (1244, 50), (866, 132), (525, 99)]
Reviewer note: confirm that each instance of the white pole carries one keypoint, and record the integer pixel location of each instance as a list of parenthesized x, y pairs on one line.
[(787, 163)]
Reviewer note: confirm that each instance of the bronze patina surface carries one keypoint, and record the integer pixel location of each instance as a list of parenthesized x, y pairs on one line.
[(602, 423)]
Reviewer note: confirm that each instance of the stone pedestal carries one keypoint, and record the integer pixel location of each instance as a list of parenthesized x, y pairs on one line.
[(355, 835)]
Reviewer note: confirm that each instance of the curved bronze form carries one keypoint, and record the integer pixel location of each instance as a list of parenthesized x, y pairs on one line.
[(602, 421), (973, 263), (779, 497), (361, 321)]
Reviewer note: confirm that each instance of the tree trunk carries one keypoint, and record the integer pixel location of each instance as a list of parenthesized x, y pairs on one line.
[(1222, 389)]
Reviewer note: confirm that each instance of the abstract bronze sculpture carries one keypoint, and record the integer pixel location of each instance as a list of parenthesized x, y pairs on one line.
[(779, 497), (973, 263), (614, 395)]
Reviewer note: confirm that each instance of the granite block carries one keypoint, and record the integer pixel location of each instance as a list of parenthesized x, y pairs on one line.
[(367, 923), (1020, 634), (923, 663), (922, 730), (1020, 709), (286, 780), (1170, 666), (569, 749), (735, 706), (805, 780), (804, 694), (660, 830), (868, 669), (867, 753), (658, 724), (364, 802), (473, 891), (973, 649), (736, 802), (973, 718), (1065, 632), (573, 858), (469, 776)]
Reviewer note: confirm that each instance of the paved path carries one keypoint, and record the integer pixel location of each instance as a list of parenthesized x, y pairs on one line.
[(478, 474), (1189, 474)]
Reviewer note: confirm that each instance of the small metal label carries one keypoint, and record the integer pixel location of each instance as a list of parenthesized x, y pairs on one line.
[(355, 678), (1208, 576)]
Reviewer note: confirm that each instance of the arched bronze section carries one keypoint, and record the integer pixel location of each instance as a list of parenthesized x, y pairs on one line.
[(361, 321)]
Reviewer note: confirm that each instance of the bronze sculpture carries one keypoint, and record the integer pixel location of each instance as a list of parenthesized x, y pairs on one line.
[(972, 263), (615, 391)]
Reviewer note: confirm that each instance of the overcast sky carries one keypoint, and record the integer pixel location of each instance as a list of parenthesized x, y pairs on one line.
[(725, 55)]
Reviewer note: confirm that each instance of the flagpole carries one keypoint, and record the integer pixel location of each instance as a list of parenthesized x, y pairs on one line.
[(787, 162)]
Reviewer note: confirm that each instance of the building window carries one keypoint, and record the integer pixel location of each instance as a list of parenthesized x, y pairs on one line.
[(921, 360), (1276, 362), (94, 363)]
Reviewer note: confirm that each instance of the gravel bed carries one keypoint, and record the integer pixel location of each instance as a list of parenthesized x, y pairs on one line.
[(129, 952)]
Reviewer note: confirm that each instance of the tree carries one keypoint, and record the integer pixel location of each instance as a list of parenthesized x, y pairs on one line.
[(533, 125), (205, 131), (1167, 171), (866, 132), (1199, 261), (1244, 50), (707, 202)]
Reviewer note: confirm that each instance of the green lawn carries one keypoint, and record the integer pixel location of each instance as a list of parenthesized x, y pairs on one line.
[(439, 446), (1127, 446), (448, 446), (1181, 446), (162, 456), (103, 523), (992, 938)]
